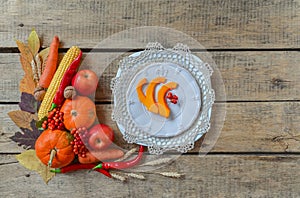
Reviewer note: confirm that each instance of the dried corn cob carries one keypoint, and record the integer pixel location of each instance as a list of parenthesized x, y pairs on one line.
[(68, 58)]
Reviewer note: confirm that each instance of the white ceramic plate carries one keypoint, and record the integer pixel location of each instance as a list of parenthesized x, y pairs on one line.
[(189, 117)]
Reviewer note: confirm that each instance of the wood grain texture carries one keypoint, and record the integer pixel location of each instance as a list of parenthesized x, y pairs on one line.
[(247, 76), (209, 176), (215, 24), (257, 152), (248, 127)]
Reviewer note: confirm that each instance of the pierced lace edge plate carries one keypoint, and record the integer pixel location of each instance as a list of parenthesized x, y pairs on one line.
[(130, 65)]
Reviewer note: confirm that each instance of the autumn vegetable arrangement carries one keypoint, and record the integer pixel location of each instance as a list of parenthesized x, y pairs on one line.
[(57, 117)]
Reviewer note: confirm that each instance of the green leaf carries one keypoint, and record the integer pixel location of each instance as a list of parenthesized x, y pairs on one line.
[(33, 42)]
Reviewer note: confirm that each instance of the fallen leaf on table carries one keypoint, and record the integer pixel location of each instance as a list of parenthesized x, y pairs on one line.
[(22, 118), (33, 42), (28, 138), (30, 161)]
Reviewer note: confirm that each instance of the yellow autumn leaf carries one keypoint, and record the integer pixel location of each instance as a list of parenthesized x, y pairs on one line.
[(30, 161), (33, 42), (22, 118)]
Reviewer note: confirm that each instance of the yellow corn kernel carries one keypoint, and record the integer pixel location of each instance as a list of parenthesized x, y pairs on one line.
[(68, 58)]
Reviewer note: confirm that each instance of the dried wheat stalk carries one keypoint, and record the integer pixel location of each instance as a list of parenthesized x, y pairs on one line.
[(118, 176), (137, 176), (38, 65), (170, 174), (127, 155), (34, 70)]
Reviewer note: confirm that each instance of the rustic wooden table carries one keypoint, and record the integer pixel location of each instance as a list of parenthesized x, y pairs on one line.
[(256, 47)]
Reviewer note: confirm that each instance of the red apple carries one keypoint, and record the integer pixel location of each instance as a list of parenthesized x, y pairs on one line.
[(85, 82), (100, 136)]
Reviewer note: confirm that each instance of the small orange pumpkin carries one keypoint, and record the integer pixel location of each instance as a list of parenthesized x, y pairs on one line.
[(53, 148), (79, 112)]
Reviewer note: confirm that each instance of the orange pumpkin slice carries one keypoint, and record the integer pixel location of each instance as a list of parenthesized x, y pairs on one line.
[(163, 108), (148, 100)]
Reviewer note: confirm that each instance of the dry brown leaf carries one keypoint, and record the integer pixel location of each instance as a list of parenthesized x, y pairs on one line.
[(30, 161), (27, 83), (26, 66), (22, 118), (25, 51), (33, 42)]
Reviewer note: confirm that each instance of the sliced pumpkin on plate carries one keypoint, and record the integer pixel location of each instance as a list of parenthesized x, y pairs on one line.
[(163, 107), (160, 107), (148, 100)]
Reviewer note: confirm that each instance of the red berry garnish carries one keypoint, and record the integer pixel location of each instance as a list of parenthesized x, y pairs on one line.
[(172, 97), (55, 120), (175, 97), (174, 101), (80, 135), (169, 95)]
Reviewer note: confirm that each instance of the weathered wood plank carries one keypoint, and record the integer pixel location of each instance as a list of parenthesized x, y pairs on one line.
[(248, 127), (209, 176), (215, 24), (246, 75)]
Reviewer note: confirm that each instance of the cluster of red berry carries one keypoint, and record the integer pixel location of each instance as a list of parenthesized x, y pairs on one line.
[(55, 120), (172, 97), (80, 136)]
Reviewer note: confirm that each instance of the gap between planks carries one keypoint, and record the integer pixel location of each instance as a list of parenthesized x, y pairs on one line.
[(110, 50)]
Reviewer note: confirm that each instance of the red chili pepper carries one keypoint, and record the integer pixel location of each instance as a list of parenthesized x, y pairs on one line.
[(66, 81), (74, 167), (122, 165)]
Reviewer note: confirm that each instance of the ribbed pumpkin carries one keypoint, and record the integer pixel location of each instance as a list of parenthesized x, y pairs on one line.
[(79, 112), (53, 148)]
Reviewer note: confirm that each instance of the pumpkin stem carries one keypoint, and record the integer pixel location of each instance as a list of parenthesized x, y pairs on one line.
[(74, 113), (52, 155)]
